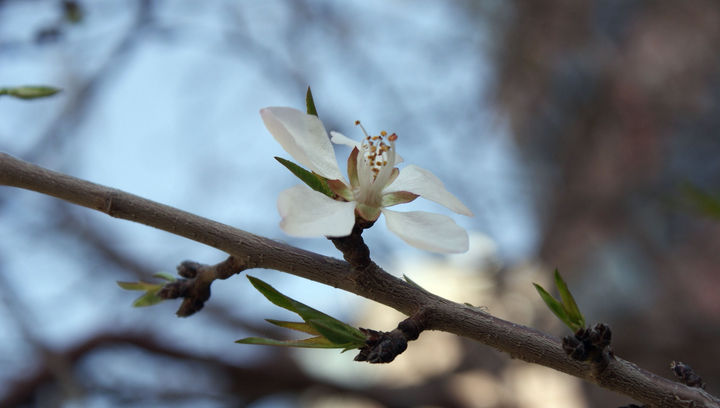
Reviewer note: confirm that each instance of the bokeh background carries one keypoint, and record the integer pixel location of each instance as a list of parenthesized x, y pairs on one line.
[(570, 128)]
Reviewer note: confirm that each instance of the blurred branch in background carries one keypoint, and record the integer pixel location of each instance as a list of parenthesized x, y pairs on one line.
[(615, 105)]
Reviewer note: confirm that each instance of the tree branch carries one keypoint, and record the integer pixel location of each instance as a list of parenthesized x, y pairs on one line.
[(371, 282)]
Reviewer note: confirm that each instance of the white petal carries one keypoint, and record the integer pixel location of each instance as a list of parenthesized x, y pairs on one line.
[(423, 183), (339, 138), (307, 213), (304, 137), (428, 231)]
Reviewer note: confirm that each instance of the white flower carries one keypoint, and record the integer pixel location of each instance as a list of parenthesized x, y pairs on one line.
[(374, 184)]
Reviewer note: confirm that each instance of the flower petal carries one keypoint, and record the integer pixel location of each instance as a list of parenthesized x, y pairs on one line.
[(339, 138), (304, 137), (307, 213), (423, 183), (428, 231)]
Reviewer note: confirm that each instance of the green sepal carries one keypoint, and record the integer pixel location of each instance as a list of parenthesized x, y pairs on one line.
[(335, 334), (367, 212), (340, 189), (310, 103), (30, 92), (397, 197), (314, 181)]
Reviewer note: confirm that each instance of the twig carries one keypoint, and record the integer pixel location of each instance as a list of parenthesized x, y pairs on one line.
[(373, 283), (195, 288), (383, 347)]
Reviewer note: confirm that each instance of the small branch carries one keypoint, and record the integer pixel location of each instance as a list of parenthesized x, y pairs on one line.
[(372, 282), (686, 374), (195, 288), (383, 347), (353, 247)]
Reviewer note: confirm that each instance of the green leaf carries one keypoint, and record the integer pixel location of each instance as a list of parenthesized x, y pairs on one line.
[(310, 103), (148, 299), (568, 302), (272, 294), (30, 92), (313, 180), (317, 319), (312, 342), (552, 304), (566, 310), (705, 203), (338, 332), (334, 330), (303, 327), (164, 276), (139, 285)]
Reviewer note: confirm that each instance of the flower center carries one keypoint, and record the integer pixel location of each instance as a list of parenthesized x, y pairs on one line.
[(377, 153)]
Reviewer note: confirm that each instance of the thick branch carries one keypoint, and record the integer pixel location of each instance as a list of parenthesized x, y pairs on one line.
[(373, 283)]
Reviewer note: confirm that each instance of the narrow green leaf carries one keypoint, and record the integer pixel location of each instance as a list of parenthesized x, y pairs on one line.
[(272, 294), (312, 342), (705, 203), (328, 326), (148, 299), (568, 302), (139, 285), (165, 276), (552, 304), (310, 103), (29, 92), (334, 329), (303, 327), (338, 332), (313, 181)]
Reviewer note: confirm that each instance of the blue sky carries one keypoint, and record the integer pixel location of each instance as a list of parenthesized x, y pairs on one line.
[(175, 119)]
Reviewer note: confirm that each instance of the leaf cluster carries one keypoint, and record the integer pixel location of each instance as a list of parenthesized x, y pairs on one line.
[(565, 309), (327, 331), (151, 289)]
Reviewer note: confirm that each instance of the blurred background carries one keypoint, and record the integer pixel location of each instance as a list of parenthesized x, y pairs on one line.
[(570, 128)]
